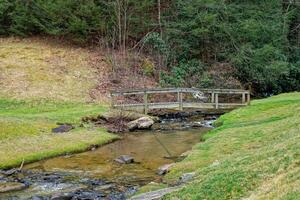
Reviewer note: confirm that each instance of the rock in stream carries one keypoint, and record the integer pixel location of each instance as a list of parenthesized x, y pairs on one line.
[(125, 159), (141, 123), (11, 186)]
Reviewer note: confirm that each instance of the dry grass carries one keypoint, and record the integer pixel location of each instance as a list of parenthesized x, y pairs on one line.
[(35, 69)]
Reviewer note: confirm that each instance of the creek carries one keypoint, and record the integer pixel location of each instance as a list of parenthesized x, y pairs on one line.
[(95, 174)]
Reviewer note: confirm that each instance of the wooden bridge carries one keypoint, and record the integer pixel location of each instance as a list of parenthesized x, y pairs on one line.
[(203, 99)]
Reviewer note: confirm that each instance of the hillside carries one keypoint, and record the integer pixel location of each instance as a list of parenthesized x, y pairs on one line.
[(41, 68), (35, 69), (254, 154)]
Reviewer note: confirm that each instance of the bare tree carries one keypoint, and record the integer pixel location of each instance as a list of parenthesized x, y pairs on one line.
[(159, 16)]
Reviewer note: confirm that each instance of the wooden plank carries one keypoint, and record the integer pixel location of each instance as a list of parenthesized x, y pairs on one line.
[(174, 105), (199, 105)]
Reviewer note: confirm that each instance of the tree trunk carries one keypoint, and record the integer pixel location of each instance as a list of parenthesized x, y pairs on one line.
[(159, 17)]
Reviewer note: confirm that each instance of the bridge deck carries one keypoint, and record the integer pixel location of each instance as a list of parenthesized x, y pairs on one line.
[(180, 104)]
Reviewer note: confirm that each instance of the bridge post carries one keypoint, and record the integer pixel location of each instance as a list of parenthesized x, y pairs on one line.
[(112, 100), (179, 99), (248, 98), (243, 97), (217, 100), (145, 103), (212, 97)]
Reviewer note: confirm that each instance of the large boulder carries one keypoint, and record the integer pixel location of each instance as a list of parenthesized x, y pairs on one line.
[(141, 123), (116, 115), (112, 115)]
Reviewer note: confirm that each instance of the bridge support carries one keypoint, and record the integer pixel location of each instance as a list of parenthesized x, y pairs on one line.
[(145, 103), (179, 99), (217, 100), (248, 98), (243, 97)]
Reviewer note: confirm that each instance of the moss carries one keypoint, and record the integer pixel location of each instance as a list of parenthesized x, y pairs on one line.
[(148, 67)]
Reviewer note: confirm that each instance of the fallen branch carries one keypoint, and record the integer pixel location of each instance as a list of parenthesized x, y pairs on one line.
[(22, 164)]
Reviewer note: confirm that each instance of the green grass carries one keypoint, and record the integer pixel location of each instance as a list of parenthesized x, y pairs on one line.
[(25, 129), (150, 187), (254, 154), (59, 111)]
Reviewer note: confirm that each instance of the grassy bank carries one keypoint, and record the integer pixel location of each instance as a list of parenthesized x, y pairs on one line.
[(25, 129), (43, 83), (254, 154)]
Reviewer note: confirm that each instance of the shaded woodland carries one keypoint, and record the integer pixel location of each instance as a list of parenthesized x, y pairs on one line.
[(193, 43)]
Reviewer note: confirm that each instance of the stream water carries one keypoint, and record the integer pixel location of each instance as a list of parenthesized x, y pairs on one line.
[(95, 174)]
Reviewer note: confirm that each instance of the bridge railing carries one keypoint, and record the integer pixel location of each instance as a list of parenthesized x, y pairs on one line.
[(180, 103)]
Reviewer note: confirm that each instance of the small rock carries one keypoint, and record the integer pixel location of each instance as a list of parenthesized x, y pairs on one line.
[(62, 128), (141, 123), (104, 187), (196, 125), (85, 195), (37, 198), (185, 154), (62, 196), (11, 186), (215, 163), (157, 194), (208, 118), (164, 169), (125, 159), (117, 129), (186, 177), (51, 177), (94, 182), (9, 172)]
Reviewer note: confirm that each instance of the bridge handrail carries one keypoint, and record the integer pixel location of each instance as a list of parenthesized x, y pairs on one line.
[(175, 90), (214, 93)]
